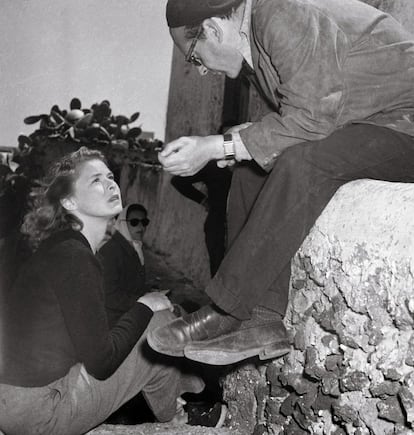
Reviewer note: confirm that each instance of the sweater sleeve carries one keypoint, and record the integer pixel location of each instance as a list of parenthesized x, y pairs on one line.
[(305, 49), (79, 288)]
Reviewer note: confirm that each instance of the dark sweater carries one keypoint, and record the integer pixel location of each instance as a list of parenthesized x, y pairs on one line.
[(54, 317)]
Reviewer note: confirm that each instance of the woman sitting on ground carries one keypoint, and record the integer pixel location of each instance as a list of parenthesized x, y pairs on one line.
[(62, 370)]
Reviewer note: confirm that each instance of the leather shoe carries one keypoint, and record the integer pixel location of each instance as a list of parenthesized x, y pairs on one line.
[(261, 336), (203, 324)]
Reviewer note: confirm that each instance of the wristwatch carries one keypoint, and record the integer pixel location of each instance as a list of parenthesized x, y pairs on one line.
[(228, 147)]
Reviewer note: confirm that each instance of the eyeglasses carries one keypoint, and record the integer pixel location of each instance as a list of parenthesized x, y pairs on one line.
[(190, 57), (134, 222)]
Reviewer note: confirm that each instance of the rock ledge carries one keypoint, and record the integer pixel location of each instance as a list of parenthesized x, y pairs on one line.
[(351, 321)]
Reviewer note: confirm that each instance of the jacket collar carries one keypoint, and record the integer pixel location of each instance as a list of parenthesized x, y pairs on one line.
[(61, 236), (244, 32), (125, 244)]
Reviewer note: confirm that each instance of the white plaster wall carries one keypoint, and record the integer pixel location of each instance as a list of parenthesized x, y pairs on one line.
[(53, 50)]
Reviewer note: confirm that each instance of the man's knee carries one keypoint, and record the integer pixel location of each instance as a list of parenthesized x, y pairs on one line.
[(291, 161)]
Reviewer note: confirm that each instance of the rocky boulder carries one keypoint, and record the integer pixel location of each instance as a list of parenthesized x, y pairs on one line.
[(351, 322)]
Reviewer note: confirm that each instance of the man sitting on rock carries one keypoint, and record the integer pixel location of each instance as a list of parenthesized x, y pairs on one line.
[(338, 76)]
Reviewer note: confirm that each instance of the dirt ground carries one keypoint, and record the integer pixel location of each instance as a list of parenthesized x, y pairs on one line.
[(159, 429)]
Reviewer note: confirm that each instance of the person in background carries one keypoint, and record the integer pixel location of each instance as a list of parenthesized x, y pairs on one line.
[(123, 262), (62, 368)]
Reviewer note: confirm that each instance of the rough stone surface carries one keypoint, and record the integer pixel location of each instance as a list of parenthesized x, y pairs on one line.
[(351, 322), (158, 429), (245, 395)]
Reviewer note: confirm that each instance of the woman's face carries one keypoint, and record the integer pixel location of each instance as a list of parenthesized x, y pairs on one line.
[(95, 193), (137, 222)]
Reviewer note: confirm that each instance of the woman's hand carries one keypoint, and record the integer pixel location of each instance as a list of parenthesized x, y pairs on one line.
[(156, 301)]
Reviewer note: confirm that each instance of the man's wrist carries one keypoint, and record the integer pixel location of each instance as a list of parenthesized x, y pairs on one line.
[(242, 152)]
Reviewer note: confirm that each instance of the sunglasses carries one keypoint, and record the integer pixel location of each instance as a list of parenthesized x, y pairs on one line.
[(190, 57), (134, 222)]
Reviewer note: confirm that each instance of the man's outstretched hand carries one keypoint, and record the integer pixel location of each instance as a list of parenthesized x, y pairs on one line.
[(188, 154)]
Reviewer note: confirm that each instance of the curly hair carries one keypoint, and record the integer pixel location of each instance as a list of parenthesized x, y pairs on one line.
[(46, 214)]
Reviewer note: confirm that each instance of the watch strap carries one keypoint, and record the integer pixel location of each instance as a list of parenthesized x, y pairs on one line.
[(228, 147)]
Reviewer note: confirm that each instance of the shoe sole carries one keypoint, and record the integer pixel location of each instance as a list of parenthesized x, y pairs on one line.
[(222, 417), (203, 422), (158, 347), (220, 357)]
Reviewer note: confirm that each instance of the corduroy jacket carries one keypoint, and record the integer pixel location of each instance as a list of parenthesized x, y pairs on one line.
[(323, 64)]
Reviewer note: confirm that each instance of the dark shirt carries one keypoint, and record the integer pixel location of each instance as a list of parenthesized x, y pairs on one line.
[(54, 317), (124, 276)]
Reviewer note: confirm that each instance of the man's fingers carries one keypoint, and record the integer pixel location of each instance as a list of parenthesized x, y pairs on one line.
[(184, 156), (225, 163), (221, 163), (182, 172), (173, 147), (176, 167)]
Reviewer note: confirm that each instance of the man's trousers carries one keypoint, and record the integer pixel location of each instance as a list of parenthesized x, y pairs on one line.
[(269, 215)]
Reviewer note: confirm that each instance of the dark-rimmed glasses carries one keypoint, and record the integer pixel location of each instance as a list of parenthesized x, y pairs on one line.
[(190, 57), (134, 222)]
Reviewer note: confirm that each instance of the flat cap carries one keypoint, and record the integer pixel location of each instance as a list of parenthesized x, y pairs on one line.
[(192, 12)]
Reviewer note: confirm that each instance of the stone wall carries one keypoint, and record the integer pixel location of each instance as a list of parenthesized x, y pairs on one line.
[(195, 103), (351, 323)]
